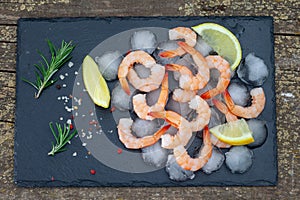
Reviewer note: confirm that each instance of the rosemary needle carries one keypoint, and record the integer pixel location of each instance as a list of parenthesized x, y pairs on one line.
[(45, 71), (62, 137)]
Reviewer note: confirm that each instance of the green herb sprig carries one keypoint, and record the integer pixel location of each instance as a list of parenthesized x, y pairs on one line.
[(62, 137), (44, 73)]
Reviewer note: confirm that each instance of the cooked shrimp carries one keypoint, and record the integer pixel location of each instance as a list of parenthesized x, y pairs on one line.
[(193, 164), (132, 142), (185, 33), (183, 96), (203, 113), (140, 104), (256, 107), (224, 79), (187, 80), (229, 117), (223, 108), (184, 133), (128, 62), (150, 83)]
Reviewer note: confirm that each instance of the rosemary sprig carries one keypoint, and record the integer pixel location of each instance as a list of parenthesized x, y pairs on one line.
[(62, 137), (44, 73)]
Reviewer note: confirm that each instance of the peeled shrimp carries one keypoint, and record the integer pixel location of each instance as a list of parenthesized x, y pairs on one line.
[(187, 80), (229, 117), (185, 33), (203, 113), (140, 104), (194, 164), (183, 96), (184, 133), (152, 82), (224, 68), (132, 142), (257, 106), (223, 108)]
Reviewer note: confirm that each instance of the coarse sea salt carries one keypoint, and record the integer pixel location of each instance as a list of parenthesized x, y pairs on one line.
[(62, 77), (70, 64), (75, 154)]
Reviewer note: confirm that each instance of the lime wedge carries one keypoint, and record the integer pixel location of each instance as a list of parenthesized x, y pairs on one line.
[(234, 133), (94, 83), (222, 41)]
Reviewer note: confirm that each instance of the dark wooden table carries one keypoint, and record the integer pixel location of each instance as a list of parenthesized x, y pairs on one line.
[(287, 64)]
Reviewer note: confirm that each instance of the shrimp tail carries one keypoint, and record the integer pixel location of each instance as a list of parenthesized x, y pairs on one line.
[(220, 106), (171, 117), (173, 67), (207, 95), (168, 54), (228, 100), (124, 85), (161, 131)]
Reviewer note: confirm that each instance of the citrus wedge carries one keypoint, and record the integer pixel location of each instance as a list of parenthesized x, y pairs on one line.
[(94, 83), (222, 41), (233, 133)]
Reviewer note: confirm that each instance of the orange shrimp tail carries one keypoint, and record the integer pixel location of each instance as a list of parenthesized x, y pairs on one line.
[(161, 131), (125, 85), (206, 135), (160, 115), (206, 95), (184, 45), (228, 100), (168, 54), (173, 67), (220, 106)]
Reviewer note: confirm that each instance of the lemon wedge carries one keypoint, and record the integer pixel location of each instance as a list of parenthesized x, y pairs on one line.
[(233, 133), (222, 41), (94, 83)]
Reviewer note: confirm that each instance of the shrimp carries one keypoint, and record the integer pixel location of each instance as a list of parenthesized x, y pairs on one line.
[(224, 68), (256, 107), (183, 134), (183, 96), (223, 108), (140, 104), (229, 117), (193, 164), (128, 62), (203, 113), (132, 142), (150, 83), (185, 33)]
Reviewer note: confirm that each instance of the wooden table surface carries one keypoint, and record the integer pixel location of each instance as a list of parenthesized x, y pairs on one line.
[(287, 64)]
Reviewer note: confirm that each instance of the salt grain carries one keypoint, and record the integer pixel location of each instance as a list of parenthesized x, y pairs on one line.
[(61, 118), (64, 85), (58, 98), (66, 74), (89, 137), (75, 154), (78, 83), (70, 64), (69, 121), (83, 144), (76, 72), (62, 77)]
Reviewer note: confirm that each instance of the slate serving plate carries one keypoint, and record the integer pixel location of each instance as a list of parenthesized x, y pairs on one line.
[(33, 167)]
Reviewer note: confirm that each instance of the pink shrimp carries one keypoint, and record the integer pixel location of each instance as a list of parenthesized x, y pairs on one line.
[(184, 133), (229, 117), (186, 162), (203, 113), (256, 107), (224, 68), (142, 58), (140, 104), (132, 142), (183, 96), (185, 33)]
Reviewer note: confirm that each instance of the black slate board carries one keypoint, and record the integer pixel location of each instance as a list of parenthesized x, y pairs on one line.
[(33, 138)]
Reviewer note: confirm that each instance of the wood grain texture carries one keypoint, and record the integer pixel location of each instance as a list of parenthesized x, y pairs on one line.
[(287, 62)]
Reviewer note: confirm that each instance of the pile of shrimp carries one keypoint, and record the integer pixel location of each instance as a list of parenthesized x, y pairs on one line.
[(189, 91)]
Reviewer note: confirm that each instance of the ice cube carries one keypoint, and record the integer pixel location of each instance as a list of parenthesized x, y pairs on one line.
[(108, 64), (120, 99), (239, 159), (143, 40), (155, 155), (181, 108), (259, 132), (153, 96), (176, 172), (202, 47), (239, 93), (144, 127), (215, 161), (253, 70), (216, 118), (142, 71)]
